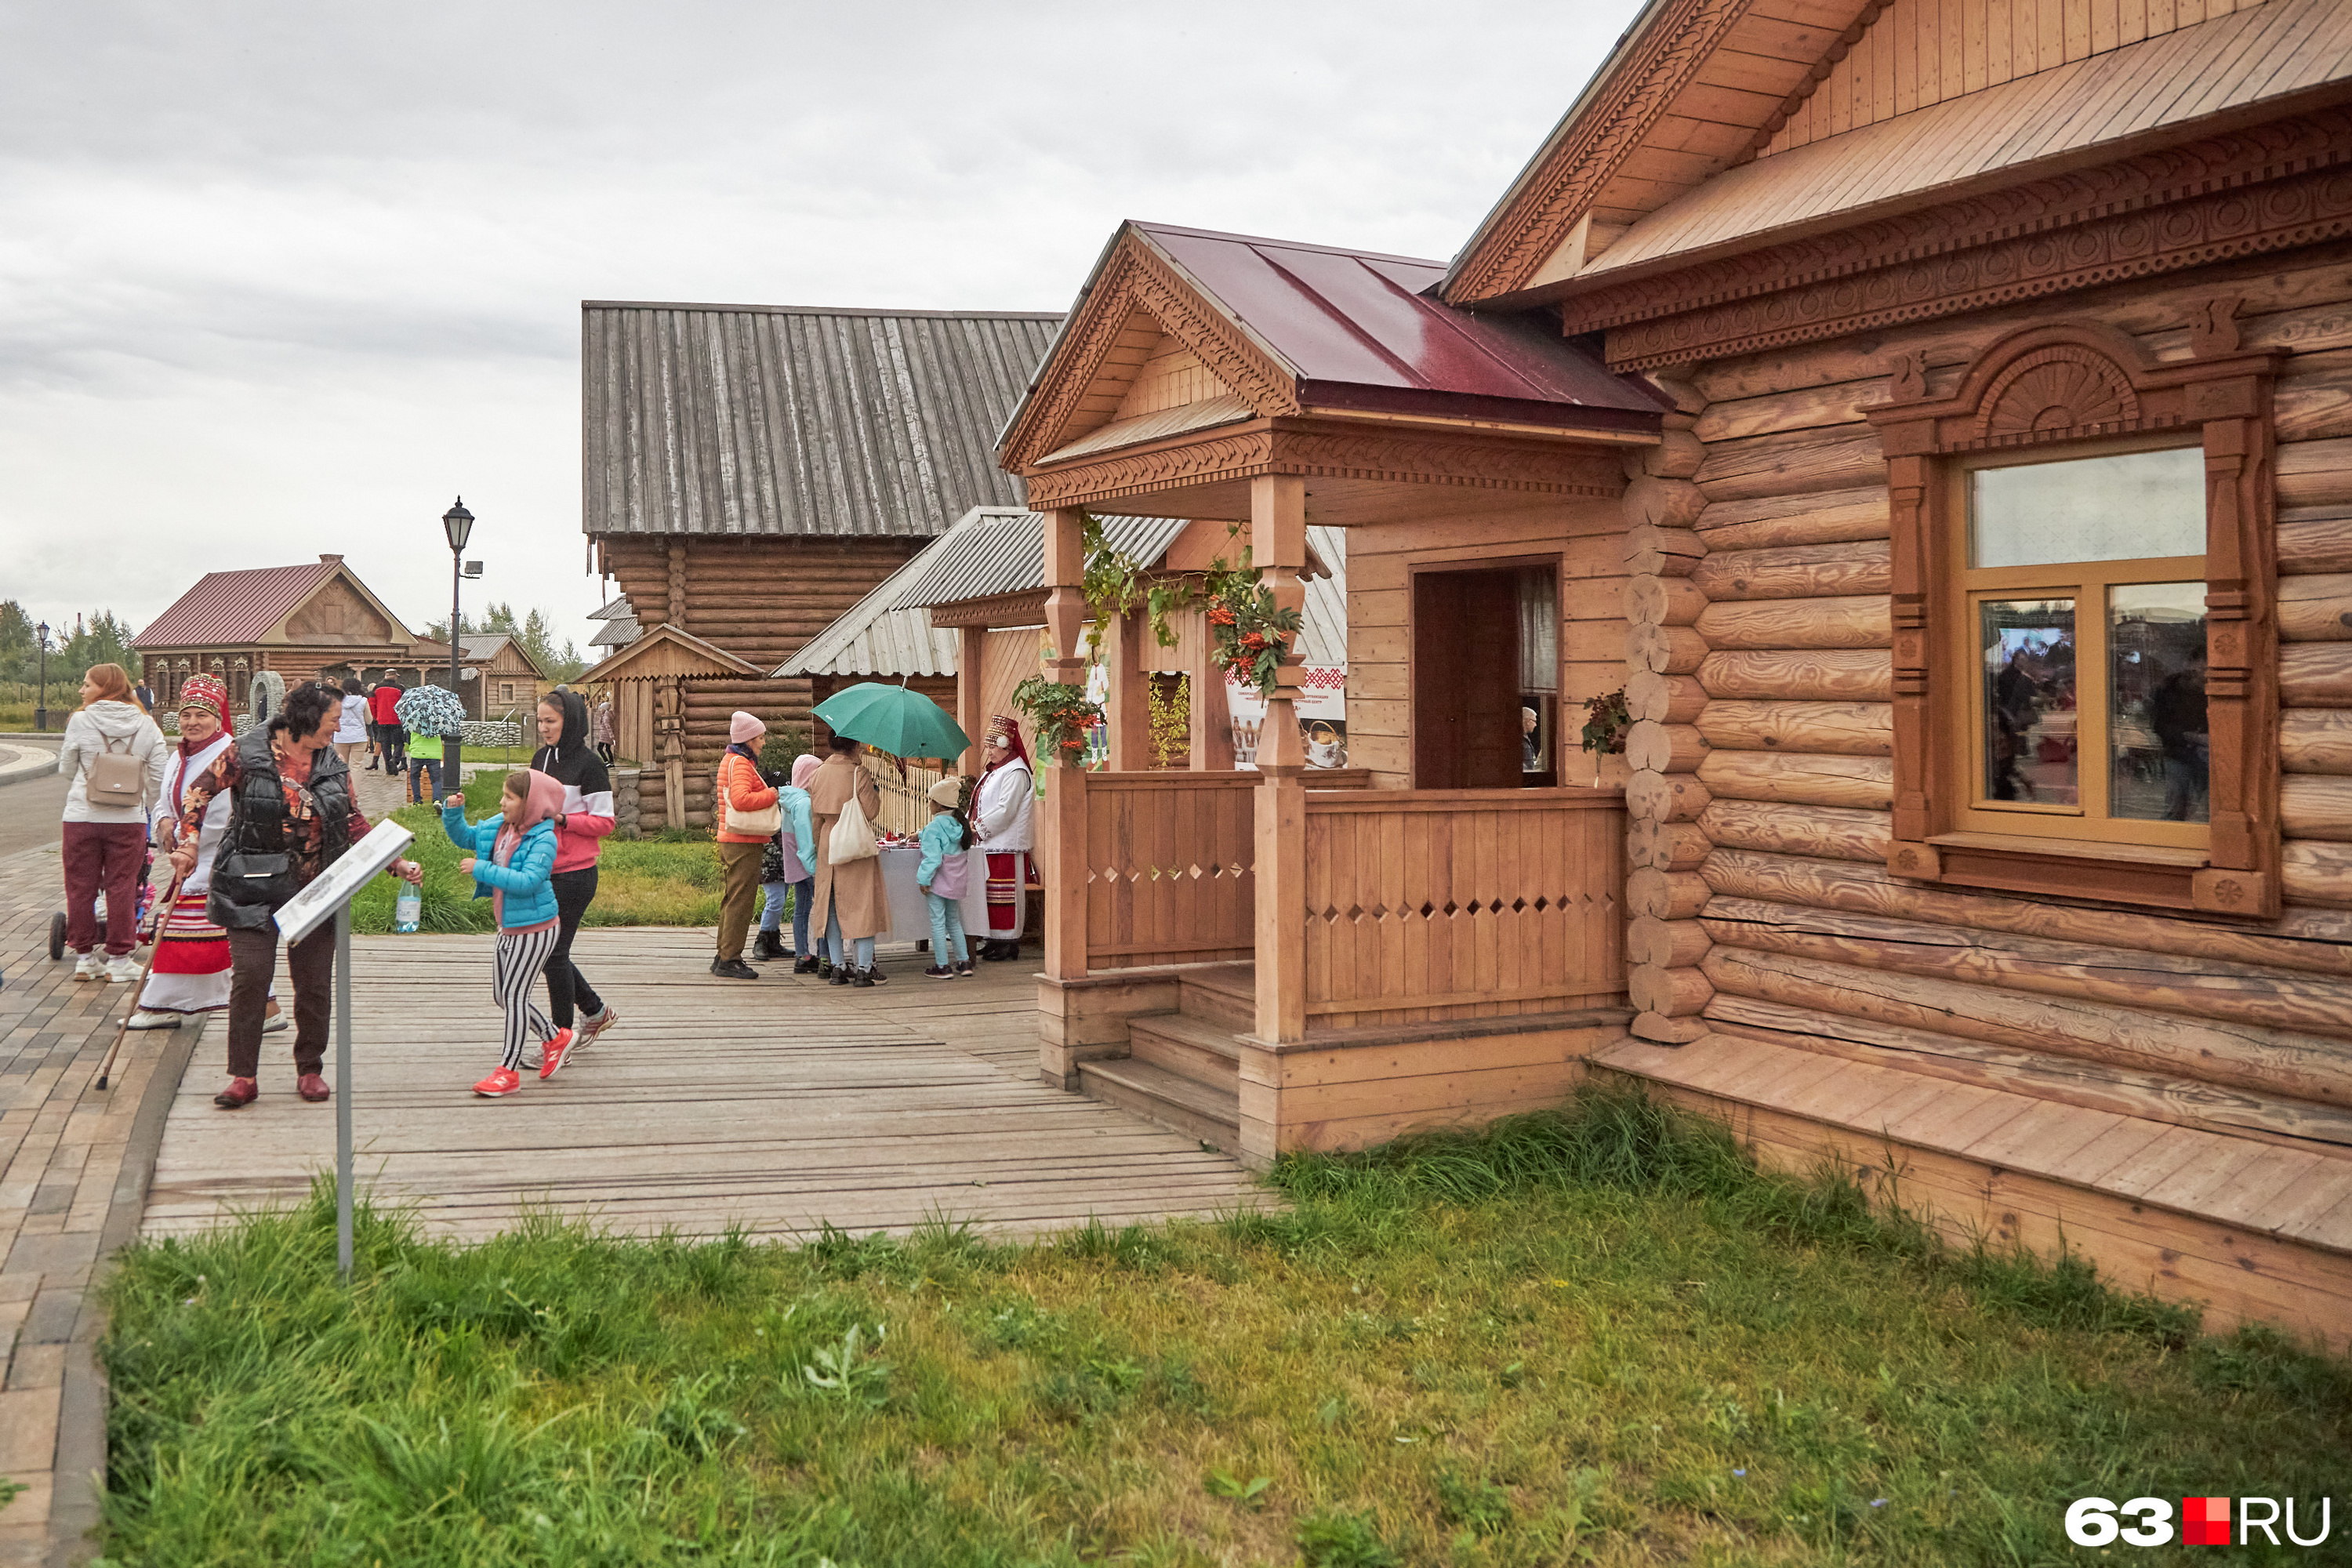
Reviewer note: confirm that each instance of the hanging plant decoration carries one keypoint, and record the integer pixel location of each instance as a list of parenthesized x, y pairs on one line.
[(1062, 715), (1607, 722), (1251, 631)]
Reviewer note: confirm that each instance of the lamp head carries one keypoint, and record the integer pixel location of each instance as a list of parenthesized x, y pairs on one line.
[(457, 523), (42, 631)]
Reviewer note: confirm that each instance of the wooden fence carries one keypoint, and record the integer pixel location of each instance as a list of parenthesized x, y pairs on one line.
[(1431, 904), (1168, 869)]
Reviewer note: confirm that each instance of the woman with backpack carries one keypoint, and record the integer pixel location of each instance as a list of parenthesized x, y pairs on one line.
[(115, 754), (294, 811)]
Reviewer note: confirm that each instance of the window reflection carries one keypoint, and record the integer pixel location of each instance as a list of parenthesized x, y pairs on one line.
[(2029, 701), (2157, 754)]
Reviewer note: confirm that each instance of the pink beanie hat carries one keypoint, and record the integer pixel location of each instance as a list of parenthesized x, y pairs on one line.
[(743, 729)]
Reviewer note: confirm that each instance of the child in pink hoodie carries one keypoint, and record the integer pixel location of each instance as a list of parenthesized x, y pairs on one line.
[(512, 865)]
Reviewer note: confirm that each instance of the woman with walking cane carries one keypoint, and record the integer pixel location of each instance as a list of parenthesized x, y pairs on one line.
[(293, 812)]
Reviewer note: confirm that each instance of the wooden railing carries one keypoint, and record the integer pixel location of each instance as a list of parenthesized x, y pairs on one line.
[(1168, 867), (1431, 904)]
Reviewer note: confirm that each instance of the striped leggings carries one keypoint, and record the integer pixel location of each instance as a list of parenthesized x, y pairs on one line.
[(522, 956)]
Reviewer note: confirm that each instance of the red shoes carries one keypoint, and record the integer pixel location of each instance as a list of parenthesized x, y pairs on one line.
[(554, 1054), (313, 1088), (502, 1082), (240, 1093)]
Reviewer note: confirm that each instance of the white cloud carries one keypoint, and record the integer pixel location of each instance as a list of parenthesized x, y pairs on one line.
[(276, 279)]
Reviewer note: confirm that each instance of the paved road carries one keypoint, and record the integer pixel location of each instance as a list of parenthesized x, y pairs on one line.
[(30, 813)]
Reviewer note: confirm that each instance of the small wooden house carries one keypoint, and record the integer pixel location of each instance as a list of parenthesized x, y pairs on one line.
[(307, 622), (508, 682), (1976, 587)]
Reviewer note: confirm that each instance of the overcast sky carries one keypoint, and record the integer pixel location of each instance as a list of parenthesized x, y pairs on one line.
[(276, 279)]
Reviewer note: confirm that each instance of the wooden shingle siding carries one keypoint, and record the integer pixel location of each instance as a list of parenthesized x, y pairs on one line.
[(1924, 52)]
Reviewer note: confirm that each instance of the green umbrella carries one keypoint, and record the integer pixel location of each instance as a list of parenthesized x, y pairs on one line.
[(902, 722)]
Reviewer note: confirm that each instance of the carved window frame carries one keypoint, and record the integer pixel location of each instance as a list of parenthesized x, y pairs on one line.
[(2221, 399)]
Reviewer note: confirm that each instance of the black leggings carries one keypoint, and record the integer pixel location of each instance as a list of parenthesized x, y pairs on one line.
[(567, 988)]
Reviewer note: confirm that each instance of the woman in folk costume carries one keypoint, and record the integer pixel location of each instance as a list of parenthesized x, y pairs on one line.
[(190, 973), (849, 905), (1001, 816)]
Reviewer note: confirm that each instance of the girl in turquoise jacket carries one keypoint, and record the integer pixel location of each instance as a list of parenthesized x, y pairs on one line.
[(512, 862)]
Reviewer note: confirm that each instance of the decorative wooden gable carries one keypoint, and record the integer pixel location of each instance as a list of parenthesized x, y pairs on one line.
[(339, 611), (666, 653), (1145, 356)]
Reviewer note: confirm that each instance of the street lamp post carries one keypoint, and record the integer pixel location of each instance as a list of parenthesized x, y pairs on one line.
[(41, 705), (458, 524)]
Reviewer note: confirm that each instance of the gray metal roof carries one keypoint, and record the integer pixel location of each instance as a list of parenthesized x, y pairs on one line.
[(739, 419), (618, 631), (879, 636), (1001, 550)]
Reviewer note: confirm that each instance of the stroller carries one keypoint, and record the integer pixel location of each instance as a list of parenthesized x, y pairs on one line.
[(139, 916)]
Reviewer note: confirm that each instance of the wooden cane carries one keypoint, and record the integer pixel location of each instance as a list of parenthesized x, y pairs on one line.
[(154, 947)]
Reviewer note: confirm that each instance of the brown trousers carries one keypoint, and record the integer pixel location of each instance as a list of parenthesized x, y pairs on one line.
[(252, 962), (740, 862)]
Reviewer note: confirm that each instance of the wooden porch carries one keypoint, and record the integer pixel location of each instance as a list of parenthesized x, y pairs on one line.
[(1271, 967)]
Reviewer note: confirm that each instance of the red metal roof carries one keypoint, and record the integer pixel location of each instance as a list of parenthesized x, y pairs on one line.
[(1364, 331), (227, 609)]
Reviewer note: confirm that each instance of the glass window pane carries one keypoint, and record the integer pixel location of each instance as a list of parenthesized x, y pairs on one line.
[(2156, 746), (2093, 509), (2029, 700)]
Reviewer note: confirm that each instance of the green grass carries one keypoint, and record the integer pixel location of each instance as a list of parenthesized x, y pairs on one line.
[(1592, 1336), (672, 879)]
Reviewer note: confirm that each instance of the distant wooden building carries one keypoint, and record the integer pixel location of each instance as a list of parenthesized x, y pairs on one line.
[(308, 622), (509, 679), (750, 472)]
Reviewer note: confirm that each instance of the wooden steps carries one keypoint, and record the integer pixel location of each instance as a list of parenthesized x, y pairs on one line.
[(2256, 1228), (1222, 993), (1188, 1046), (1186, 1104)]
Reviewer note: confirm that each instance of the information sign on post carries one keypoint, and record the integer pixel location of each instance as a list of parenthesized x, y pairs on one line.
[(300, 915)]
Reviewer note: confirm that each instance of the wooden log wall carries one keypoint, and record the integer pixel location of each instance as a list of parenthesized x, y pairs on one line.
[(1671, 601), (1762, 683), (1582, 536), (761, 598)]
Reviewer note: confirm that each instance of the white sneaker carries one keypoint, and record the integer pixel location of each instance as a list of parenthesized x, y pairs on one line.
[(148, 1018), (89, 966), (122, 971)]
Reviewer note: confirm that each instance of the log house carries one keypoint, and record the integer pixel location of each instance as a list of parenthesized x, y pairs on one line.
[(1918, 882), (750, 472)]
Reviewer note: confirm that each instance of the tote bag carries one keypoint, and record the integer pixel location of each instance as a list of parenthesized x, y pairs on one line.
[(852, 837), (765, 823)]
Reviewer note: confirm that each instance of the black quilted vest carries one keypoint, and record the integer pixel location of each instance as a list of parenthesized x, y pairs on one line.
[(255, 872)]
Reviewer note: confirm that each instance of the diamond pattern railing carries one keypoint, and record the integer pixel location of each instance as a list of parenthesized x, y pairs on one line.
[(1168, 867)]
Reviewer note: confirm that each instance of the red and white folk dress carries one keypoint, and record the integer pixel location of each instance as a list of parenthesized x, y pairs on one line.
[(191, 973)]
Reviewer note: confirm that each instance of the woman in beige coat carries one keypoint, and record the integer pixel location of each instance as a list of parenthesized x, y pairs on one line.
[(851, 906)]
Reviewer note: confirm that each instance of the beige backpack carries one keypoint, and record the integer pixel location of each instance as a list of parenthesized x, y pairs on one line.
[(115, 780)]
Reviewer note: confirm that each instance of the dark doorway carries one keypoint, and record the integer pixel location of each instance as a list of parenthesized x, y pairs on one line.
[(1486, 653)]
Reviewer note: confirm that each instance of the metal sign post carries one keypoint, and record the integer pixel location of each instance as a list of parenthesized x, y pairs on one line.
[(300, 915)]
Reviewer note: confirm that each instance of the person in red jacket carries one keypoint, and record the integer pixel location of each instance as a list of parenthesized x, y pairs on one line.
[(391, 740), (741, 788)]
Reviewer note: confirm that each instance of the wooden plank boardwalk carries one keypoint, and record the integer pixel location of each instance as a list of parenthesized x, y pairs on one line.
[(774, 1106)]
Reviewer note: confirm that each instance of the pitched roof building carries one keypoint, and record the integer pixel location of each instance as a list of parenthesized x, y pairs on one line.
[(749, 472), (312, 620)]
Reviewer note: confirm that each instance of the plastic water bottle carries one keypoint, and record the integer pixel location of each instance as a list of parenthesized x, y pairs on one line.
[(406, 908)]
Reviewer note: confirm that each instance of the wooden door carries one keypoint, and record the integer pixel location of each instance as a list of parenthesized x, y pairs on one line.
[(1465, 673)]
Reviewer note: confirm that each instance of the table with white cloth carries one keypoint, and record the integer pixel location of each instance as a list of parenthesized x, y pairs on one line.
[(910, 915)]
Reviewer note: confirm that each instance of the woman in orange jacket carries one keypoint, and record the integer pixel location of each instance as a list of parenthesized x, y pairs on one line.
[(740, 788)]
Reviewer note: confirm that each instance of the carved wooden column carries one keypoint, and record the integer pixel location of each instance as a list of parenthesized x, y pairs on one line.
[(1062, 816), (1278, 548), (971, 702), (1129, 706), (1212, 715), (1664, 941), (669, 735)]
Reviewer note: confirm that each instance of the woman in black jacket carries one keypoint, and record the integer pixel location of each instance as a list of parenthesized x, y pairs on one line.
[(565, 755)]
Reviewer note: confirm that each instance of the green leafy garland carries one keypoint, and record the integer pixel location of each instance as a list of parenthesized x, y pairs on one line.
[(1251, 631)]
